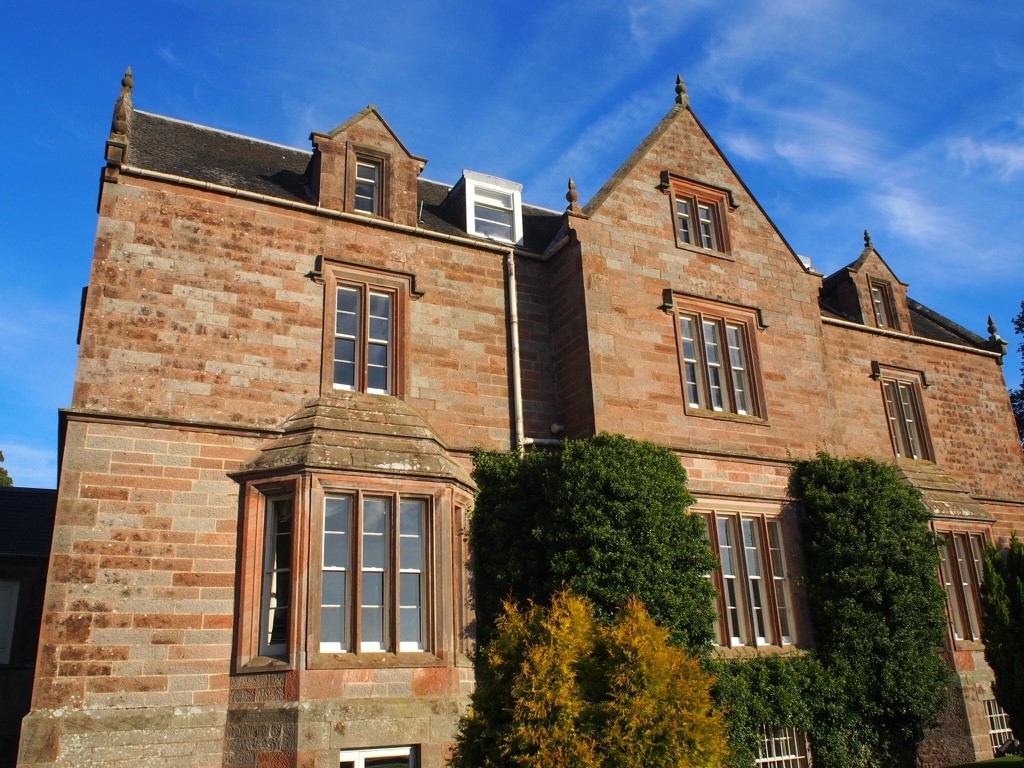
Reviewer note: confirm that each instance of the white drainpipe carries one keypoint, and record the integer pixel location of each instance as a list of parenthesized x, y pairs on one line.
[(513, 321)]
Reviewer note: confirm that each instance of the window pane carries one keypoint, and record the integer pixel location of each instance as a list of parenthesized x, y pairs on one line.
[(367, 187), (781, 580), (334, 586), (708, 238), (690, 362), (755, 581), (683, 218), (733, 606), (276, 596), (337, 516), (713, 359), (738, 368), (952, 593)]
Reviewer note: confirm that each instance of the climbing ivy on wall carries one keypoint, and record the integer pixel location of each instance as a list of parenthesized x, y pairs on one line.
[(871, 565), (605, 517)]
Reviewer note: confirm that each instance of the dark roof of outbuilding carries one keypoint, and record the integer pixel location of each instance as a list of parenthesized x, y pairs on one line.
[(26, 518), (205, 154)]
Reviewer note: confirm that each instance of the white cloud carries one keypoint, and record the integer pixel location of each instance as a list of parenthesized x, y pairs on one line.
[(1004, 159)]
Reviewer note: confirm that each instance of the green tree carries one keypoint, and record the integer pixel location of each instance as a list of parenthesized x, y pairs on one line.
[(5, 479), (877, 606), (1017, 395), (557, 688), (606, 517), (1002, 605)]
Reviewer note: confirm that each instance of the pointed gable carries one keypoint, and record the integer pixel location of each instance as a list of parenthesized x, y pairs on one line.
[(363, 167), (696, 181), (867, 291)]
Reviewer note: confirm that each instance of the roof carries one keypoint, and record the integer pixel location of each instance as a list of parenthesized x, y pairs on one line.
[(205, 154), (26, 518)]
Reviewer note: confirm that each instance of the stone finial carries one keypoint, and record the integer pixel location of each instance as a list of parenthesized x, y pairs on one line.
[(995, 340), (682, 97), (867, 241), (119, 125), (573, 197)]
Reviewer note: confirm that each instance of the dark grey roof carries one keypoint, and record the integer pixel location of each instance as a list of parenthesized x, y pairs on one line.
[(205, 154), (932, 325), (26, 518), (195, 152)]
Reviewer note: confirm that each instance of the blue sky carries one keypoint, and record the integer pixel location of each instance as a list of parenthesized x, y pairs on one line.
[(903, 118)]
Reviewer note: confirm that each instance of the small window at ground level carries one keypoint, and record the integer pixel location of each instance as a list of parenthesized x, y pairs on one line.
[(998, 724), (388, 757), (782, 748)]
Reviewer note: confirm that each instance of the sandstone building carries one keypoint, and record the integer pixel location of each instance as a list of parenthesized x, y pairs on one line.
[(287, 357)]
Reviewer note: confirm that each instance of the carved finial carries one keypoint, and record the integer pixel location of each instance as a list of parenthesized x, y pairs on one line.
[(573, 197), (119, 125), (995, 340), (867, 240), (681, 95)]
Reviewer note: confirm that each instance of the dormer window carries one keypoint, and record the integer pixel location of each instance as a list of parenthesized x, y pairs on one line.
[(883, 305), (368, 184), (493, 207)]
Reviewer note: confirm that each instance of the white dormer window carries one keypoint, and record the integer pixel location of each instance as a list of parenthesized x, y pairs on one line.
[(493, 207)]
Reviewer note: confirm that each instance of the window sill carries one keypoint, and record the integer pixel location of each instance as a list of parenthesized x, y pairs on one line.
[(705, 251), (263, 664), (407, 659), (742, 418)]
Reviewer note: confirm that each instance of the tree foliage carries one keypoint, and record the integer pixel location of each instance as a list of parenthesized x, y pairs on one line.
[(5, 479), (1017, 395), (1002, 605), (556, 687), (877, 606), (605, 517)]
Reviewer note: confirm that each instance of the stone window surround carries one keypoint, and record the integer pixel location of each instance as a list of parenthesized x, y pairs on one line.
[(356, 154), (719, 201), (748, 319), (401, 285), (904, 429), (446, 511)]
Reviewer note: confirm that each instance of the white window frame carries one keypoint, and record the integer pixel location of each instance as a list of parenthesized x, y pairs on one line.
[(755, 603), (883, 304), (364, 338), (395, 609), (718, 358), (356, 758), (487, 192), (782, 747), (999, 731), (961, 567), (700, 217), (369, 204)]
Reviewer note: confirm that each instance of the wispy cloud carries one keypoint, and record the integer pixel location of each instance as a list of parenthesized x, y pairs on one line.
[(1005, 160)]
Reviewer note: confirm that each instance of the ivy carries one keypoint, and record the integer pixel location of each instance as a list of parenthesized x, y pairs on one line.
[(606, 517), (877, 606), (1002, 604)]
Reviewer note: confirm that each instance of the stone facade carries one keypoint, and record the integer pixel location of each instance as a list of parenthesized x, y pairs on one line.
[(213, 425)]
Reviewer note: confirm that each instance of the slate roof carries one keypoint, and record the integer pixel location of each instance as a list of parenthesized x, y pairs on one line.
[(26, 518), (205, 154)]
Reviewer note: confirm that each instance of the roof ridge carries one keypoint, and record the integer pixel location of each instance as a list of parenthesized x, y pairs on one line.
[(949, 324), (224, 132)]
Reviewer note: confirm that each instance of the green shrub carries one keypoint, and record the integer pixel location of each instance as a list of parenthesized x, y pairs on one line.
[(1002, 605), (606, 517), (557, 688)]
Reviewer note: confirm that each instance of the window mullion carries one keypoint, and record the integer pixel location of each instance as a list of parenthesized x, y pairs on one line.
[(356, 594)]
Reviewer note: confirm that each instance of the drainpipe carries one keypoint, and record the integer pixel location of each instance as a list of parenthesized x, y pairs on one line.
[(513, 321)]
